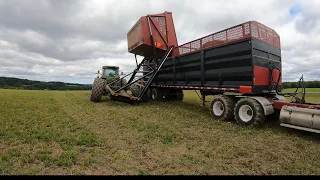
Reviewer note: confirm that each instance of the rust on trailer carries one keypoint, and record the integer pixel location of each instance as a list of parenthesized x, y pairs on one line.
[(251, 29)]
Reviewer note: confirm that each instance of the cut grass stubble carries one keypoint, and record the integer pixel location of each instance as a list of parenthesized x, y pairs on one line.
[(62, 132)]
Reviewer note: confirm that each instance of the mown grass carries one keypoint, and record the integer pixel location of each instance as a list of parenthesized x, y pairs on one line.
[(62, 132), (312, 94)]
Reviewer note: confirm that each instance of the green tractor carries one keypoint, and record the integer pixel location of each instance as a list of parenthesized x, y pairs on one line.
[(109, 75), (109, 81)]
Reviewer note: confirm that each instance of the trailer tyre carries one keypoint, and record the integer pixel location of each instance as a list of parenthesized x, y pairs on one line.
[(156, 94), (98, 89), (221, 108), (149, 93), (174, 95), (179, 95), (249, 112)]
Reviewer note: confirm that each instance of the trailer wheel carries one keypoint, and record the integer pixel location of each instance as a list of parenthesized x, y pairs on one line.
[(221, 108), (98, 89), (174, 95), (156, 94), (179, 95), (149, 93), (249, 112)]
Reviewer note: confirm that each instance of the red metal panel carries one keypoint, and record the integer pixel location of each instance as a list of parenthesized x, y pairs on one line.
[(139, 37), (246, 89), (171, 32), (135, 35), (261, 76), (251, 29), (275, 77), (279, 104), (157, 32), (265, 34)]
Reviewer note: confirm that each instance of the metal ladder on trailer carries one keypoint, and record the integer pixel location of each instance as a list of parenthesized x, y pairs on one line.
[(147, 78)]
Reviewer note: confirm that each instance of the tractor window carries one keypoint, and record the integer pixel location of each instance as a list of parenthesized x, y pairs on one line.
[(111, 72)]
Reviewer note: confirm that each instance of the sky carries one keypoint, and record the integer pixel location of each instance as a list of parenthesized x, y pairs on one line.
[(69, 40)]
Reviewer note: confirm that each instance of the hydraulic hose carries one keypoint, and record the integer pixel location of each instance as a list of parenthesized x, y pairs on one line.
[(290, 94), (278, 81)]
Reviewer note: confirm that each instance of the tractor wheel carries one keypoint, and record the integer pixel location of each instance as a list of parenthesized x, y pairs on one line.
[(221, 108), (156, 94), (135, 89), (106, 92), (249, 112), (121, 83), (98, 89)]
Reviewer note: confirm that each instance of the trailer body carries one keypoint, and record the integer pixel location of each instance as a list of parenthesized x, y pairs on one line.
[(244, 58)]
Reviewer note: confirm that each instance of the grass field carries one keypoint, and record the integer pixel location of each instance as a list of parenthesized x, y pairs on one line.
[(62, 132), (307, 90)]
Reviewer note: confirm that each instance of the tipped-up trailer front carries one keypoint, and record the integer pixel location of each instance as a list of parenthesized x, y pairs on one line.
[(240, 66)]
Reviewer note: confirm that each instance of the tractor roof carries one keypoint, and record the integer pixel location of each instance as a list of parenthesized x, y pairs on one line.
[(104, 67)]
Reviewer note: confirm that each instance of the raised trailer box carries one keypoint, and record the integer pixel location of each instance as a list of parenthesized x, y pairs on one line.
[(152, 32)]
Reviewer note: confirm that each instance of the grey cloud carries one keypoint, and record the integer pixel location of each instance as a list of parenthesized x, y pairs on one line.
[(69, 40)]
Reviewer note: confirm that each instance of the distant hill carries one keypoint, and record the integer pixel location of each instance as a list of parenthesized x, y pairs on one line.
[(16, 83)]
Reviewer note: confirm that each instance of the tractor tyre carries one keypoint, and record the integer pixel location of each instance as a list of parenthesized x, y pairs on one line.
[(121, 83), (106, 92), (221, 108), (135, 89), (248, 111), (98, 90)]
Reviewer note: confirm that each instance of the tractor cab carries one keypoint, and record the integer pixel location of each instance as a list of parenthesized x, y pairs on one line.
[(110, 72)]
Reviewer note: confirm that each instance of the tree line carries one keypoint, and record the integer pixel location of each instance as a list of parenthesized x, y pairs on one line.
[(16, 83), (307, 84)]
